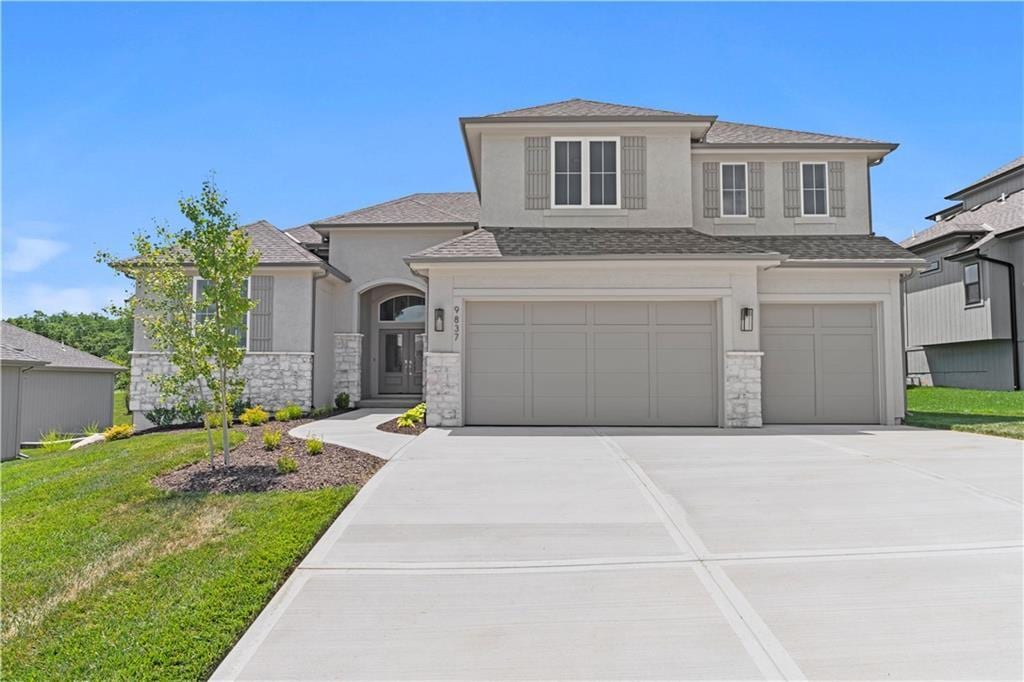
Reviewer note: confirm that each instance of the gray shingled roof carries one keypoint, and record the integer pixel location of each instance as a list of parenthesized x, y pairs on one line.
[(581, 242), (17, 356), (305, 234), (276, 248), (995, 216), (830, 247), (574, 108), (426, 208), (1005, 168), (726, 132), (58, 355)]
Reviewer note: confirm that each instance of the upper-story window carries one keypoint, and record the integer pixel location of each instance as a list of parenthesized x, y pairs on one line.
[(972, 284), (208, 312), (814, 183), (404, 308), (734, 189), (586, 172), (932, 265)]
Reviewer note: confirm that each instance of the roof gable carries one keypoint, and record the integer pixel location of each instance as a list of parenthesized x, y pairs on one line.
[(727, 132), (1002, 170), (586, 108), (425, 208)]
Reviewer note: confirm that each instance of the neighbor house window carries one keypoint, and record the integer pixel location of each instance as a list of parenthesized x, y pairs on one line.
[(404, 308), (734, 189), (932, 265), (814, 183), (586, 172), (209, 312), (972, 284)]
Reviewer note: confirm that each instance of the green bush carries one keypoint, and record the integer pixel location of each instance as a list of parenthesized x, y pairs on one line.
[(287, 465), (271, 439), (288, 413), (413, 416), (214, 420), (254, 416), (161, 416), (191, 413), (54, 441), (314, 446), (118, 431), (320, 412), (240, 405), (341, 402), (91, 429)]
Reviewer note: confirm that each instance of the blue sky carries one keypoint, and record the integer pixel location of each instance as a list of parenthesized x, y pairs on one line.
[(111, 111)]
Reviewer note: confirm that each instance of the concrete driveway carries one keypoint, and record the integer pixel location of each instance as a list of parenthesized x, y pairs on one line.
[(804, 552)]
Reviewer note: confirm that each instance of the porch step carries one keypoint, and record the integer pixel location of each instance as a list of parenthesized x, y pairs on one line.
[(391, 401)]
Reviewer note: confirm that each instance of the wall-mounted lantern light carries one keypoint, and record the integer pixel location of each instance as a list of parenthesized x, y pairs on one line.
[(746, 319), (438, 319)]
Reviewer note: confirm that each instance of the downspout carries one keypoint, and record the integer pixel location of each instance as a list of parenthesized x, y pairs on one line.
[(903, 336), (312, 341), (1014, 336)]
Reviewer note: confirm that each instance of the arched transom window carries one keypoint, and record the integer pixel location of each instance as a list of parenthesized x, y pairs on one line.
[(404, 308)]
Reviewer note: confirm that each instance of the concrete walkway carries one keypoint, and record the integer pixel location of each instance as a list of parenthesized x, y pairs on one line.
[(530, 553), (357, 430)]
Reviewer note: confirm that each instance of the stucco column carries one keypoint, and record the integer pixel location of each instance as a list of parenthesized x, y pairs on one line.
[(348, 359), (442, 388), (743, 389)]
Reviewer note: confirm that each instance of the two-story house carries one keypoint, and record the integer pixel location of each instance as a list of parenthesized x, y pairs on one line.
[(615, 265), (964, 308)]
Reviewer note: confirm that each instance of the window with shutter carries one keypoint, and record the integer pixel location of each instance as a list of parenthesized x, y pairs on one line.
[(261, 318), (538, 179), (711, 197), (791, 189), (837, 189), (634, 172)]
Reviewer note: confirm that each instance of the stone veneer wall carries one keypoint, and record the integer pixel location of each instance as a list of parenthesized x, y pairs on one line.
[(442, 388), (348, 373), (743, 388), (273, 380)]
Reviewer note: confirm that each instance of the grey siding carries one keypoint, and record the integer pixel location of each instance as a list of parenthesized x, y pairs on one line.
[(634, 172), (261, 319), (711, 189), (538, 176), (975, 364), (64, 400), (1008, 185), (791, 189), (10, 403), (935, 306)]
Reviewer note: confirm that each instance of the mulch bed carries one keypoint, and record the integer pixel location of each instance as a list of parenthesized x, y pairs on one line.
[(254, 469), (391, 426)]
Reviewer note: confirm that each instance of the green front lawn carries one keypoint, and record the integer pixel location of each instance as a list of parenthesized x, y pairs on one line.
[(107, 577), (995, 413), (121, 415)]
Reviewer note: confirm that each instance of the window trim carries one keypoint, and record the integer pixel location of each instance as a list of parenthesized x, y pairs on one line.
[(248, 313), (585, 173), (746, 189), (803, 207), (937, 269), (963, 279), (391, 298)]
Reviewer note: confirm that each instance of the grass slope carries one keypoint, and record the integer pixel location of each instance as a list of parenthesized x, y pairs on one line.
[(121, 415), (994, 413), (106, 577)]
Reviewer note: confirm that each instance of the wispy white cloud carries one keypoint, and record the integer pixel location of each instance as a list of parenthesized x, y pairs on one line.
[(51, 299), (29, 253)]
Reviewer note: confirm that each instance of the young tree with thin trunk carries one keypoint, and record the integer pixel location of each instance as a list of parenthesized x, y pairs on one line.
[(191, 299)]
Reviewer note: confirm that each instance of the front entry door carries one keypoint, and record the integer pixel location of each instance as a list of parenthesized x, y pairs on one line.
[(401, 367)]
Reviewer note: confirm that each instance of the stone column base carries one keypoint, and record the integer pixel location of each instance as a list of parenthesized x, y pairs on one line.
[(348, 366), (442, 388), (743, 389)]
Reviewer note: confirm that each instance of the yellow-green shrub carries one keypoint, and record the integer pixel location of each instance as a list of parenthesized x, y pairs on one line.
[(314, 446), (254, 416), (288, 413), (287, 465), (118, 431), (271, 439)]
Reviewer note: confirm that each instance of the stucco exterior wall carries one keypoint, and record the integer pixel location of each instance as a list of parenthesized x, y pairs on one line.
[(856, 221), (327, 293), (502, 181)]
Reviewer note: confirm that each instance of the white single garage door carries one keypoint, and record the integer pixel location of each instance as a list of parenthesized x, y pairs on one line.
[(820, 364), (606, 363)]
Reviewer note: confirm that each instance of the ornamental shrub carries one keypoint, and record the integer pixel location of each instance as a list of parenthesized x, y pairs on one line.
[(118, 431), (254, 416)]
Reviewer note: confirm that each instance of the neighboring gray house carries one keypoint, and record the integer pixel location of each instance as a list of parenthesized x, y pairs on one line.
[(614, 265), (66, 390), (965, 307), (13, 364)]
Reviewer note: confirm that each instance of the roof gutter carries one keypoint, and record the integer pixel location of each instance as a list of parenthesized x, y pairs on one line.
[(766, 256)]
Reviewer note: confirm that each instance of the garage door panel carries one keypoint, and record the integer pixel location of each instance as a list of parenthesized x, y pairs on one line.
[(825, 373), (591, 363)]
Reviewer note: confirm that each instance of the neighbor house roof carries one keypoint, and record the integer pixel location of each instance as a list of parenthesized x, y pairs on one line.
[(726, 132), (54, 354), (12, 355), (996, 217), (586, 108), (1005, 168), (425, 208), (527, 243), (305, 234)]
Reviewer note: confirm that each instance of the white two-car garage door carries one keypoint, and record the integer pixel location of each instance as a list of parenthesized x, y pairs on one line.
[(574, 362), (820, 364)]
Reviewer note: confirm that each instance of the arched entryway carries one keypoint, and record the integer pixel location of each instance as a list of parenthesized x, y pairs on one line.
[(392, 319)]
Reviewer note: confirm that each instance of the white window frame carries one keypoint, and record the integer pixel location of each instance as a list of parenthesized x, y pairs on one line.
[(981, 288), (803, 211), (746, 189), (391, 298), (248, 314), (585, 172)]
